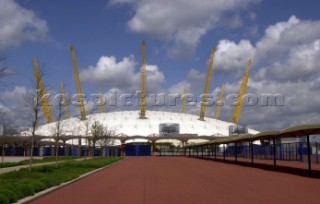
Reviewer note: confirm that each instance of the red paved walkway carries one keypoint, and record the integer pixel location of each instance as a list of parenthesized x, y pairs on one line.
[(166, 180)]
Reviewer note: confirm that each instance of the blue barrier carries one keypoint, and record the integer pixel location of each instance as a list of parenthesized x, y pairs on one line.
[(138, 150), (107, 152), (97, 152), (61, 151), (46, 151), (74, 151)]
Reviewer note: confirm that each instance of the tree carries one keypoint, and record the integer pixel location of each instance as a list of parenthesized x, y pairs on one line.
[(33, 105), (96, 133), (57, 130), (8, 129), (86, 130), (4, 72), (105, 138)]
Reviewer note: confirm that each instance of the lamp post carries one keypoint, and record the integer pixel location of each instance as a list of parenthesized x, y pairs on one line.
[(24, 145)]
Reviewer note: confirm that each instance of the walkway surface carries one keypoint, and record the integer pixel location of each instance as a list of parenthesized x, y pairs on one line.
[(185, 180), (17, 158)]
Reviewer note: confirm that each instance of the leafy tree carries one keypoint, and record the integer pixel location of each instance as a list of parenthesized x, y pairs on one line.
[(97, 132)]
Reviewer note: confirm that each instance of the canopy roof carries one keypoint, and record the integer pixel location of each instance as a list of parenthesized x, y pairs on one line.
[(294, 131)]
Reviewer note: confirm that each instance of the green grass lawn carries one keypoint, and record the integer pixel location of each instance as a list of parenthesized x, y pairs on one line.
[(37, 161), (19, 184)]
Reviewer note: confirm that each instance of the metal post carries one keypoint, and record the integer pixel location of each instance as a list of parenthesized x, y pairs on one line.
[(224, 152), (236, 151), (281, 151), (260, 150), (301, 151), (274, 153), (309, 149), (264, 150), (197, 151), (215, 151), (252, 153), (202, 151), (296, 151), (153, 148), (317, 156), (24, 150), (290, 151)]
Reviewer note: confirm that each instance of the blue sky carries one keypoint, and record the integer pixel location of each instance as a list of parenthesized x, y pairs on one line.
[(179, 36)]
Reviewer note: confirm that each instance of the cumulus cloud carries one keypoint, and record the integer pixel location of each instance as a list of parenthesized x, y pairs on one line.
[(182, 22), (282, 37), (231, 56), (287, 51), (18, 24), (285, 63), (123, 74), (300, 64), (15, 96), (194, 74)]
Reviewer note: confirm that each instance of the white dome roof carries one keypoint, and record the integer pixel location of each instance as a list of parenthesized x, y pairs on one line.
[(128, 123)]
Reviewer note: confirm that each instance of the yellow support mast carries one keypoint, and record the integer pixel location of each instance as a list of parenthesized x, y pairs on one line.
[(44, 101), (243, 89), (65, 102), (207, 87), (101, 102), (217, 114), (143, 82), (184, 101), (78, 85)]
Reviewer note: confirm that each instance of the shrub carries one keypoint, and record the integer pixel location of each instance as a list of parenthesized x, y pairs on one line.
[(4, 199), (11, 196), (49, 182), (19, 184), (45, 169), (25, 190), (38, 186)]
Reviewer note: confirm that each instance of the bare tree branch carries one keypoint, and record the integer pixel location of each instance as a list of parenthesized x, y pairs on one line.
[(4, 72), (33, 105), (57, 130)]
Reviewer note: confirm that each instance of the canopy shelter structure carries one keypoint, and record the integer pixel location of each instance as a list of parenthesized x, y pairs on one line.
[(295, 131), (64, 140)]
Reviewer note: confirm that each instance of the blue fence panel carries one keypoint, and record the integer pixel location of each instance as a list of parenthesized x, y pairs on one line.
[(46, 151), (138, 150), (97, 152), (74, 151)]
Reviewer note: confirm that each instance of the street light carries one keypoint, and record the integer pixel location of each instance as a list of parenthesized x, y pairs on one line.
[(24, 146)]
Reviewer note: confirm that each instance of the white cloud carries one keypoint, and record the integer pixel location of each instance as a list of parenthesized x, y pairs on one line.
[(122, 75), (287, 51), (194, 74), (301, 63), (182, 22), (15, 96), (282, 37), (179, 88), (285, 61), (231, 56), (121, 1), (18, 24)]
